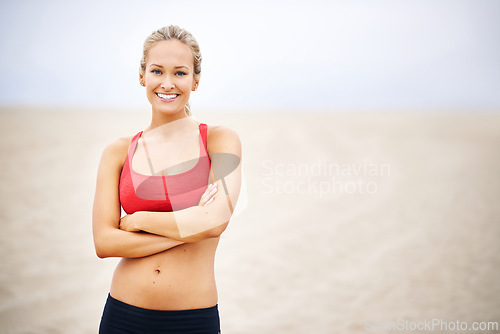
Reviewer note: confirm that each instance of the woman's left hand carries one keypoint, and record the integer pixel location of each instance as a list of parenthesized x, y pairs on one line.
[(130, 222)]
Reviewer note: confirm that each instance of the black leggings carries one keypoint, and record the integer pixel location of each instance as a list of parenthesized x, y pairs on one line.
[(121, 318)]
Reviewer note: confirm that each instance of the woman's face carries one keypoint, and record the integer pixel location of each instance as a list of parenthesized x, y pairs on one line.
[(169, 76)]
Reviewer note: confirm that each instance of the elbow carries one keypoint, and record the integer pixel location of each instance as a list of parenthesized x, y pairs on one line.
[(101, 255), (219, 220), (106, 252), (217, 231), (102, 249), (101, 252), (214, 232)]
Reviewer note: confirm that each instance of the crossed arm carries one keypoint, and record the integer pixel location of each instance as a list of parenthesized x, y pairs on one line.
[(147, 233)]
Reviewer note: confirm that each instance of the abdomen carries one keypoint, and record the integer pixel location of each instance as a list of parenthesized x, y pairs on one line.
[(177, 279)]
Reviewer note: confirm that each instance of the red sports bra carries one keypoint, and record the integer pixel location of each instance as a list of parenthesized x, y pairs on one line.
[(140, 192)]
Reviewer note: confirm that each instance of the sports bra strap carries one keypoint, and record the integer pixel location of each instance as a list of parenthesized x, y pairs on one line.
[(203, 132)]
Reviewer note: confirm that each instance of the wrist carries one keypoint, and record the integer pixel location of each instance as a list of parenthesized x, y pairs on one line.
[(140, 217)]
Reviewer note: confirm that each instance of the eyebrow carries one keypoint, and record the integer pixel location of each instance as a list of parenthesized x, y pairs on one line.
[(180, 66)]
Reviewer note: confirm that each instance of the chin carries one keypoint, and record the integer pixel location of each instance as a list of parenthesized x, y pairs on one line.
[(170, 111)]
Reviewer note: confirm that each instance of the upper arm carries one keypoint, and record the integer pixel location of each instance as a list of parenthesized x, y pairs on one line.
[(224, 148), (106, 209)]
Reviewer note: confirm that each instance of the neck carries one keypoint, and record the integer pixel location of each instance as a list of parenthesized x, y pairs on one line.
[(170, 125), (159, 119)]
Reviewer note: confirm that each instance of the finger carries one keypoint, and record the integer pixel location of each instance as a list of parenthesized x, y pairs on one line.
[(212, 192), (211, 189), (209, 201), (205, 196), (208, 194), (122, 224), (208, 189)]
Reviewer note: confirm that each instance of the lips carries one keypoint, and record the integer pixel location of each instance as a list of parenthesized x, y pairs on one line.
[(167, 97)]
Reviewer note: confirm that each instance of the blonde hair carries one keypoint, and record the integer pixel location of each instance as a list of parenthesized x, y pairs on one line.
[(169, 33)]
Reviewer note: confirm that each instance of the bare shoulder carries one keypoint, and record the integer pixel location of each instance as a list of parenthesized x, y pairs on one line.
[(116, 151), (223, 139), (221, 131)]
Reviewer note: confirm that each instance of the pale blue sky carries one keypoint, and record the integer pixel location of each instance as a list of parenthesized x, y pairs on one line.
[(259, 55)]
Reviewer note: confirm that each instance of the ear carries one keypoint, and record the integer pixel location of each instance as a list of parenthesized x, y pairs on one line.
[(142, 81), (195, 84)]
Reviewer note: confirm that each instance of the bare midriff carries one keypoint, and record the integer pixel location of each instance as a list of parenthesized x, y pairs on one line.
[(180, 278)]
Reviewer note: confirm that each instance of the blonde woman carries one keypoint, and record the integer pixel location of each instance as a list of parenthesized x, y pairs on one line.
[(178, 181)]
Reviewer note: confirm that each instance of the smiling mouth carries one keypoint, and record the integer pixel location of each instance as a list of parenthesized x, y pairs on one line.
[(167, 97)]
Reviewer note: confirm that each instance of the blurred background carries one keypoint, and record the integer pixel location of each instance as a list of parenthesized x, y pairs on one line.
[(357, 55), (370, 133)]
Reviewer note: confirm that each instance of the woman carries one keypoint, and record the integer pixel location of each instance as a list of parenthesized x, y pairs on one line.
[(163, 178)]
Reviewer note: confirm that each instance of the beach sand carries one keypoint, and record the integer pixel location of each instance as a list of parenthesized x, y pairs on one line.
[(353, 221)]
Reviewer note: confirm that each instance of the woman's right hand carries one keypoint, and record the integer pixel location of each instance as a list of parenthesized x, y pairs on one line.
[(208, 195)]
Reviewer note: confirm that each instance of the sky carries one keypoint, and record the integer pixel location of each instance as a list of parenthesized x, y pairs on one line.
[(259, 55)]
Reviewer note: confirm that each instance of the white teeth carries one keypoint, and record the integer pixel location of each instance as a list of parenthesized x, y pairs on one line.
[(166, 97)]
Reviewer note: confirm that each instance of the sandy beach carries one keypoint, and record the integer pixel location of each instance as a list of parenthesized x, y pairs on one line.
[(353, 221)]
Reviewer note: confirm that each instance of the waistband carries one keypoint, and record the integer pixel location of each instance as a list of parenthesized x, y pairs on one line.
[(120, 317), (120, 304)]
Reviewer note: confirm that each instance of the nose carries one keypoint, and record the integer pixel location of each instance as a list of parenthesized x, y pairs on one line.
[(168, 83)]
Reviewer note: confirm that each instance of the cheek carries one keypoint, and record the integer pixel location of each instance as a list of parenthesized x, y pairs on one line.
[(186, 84), (150, 78)]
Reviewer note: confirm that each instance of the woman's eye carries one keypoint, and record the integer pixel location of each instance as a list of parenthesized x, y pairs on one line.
[(157, 72), (180, 73)]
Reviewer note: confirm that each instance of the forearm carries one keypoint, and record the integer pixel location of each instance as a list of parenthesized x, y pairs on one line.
[(119, 243), (188, 225), (175, 225)]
